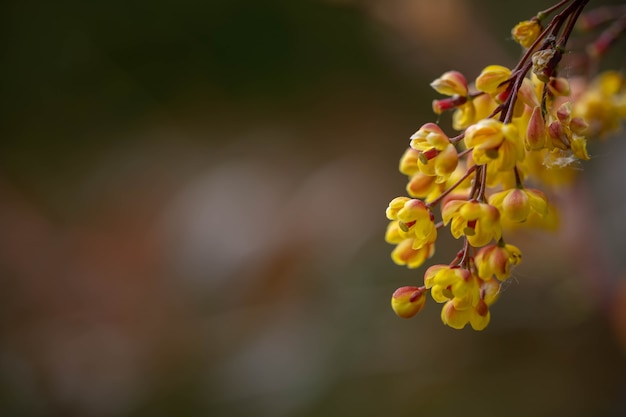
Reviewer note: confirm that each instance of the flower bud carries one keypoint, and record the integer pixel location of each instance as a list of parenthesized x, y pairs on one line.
[(408, 301), (578, 126), (527, 94), (515, 206), (559, 86), (429, 136), (451, 83), (536, 131), (526, 32), (564, 113), (408, 162), (491, 78), (558, 135)]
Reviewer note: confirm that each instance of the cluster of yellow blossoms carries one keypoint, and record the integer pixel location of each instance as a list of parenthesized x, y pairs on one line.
[(515, 127)]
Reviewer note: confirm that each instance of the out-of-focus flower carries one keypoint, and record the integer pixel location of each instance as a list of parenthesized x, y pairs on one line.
[(526, 32), (516, 204), (497, 260)]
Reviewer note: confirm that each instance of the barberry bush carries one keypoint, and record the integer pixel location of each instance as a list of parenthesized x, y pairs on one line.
[(517, 133)]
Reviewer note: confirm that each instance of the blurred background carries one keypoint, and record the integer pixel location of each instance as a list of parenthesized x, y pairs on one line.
[(192, 202)]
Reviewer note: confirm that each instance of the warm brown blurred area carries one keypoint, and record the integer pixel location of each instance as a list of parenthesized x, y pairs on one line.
[(192, 204)]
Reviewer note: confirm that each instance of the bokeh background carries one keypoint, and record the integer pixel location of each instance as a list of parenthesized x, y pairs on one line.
[(192, 203)]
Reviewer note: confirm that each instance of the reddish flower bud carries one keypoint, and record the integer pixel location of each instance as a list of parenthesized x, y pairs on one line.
[(536, 131), (558, 135), (451, 83), (408, 301), (559, 86)]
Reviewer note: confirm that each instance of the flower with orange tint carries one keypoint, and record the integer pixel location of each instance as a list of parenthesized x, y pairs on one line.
[(451, 83), (495, 143), (526, 32), (516, 204), (407, 253), (406, 302), (492, 79), (497, 260), (437, 156), (478, 222)]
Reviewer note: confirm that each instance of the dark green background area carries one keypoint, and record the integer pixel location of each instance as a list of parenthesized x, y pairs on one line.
[(79, 65), (77, 75)]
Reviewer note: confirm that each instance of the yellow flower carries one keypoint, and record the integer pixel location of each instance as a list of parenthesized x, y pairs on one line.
[(429, 136), (478, 222), (451, 83), (490, 290), (579, 147), (423, 186), (452, 283), (516, 204), (412, 230), (405, 253), (478, 317), (603, 104), (417, 220), (408, 301), (497, 259), (437, 156), (466, 297), (408, 162), (451, 316), (496, 143), (566, 132), (464, 116), (394, 206), (492, 79), (394, 234), (526, 32)]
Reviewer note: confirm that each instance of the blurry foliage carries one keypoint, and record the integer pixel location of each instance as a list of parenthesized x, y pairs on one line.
[(71, 66), (76, 76)]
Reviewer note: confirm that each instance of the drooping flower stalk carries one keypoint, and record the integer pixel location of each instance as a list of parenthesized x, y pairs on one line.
[(515, 126)]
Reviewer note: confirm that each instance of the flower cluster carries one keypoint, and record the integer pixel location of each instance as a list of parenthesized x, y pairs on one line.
[(514, 127)]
